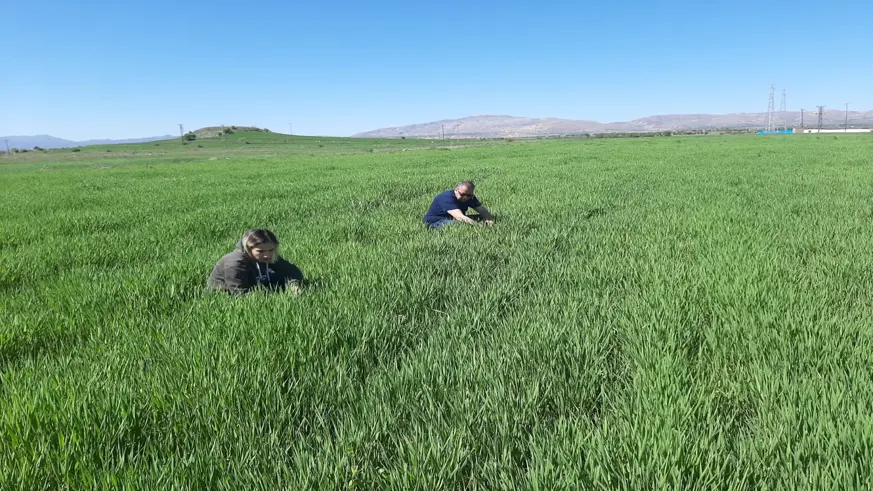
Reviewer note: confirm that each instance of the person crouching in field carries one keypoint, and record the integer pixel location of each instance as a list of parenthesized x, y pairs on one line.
[(451, 207), (255, 263)]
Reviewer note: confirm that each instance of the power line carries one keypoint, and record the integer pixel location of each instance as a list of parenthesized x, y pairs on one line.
[(181, 131), (771, 105), (801, 118), (820, 116)]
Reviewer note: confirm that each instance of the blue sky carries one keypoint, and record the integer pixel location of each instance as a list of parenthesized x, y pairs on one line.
[(91, 69)]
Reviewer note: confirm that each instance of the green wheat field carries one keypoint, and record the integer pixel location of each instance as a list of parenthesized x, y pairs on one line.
[(671, 313)]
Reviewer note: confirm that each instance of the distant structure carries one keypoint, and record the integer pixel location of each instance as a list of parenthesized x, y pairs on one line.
[(784, 131), (838, 130), (775, 127), (846, 124), (783, 113), (779, 125)]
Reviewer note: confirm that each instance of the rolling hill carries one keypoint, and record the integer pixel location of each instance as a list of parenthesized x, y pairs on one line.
[(500, 126), (48, 141)]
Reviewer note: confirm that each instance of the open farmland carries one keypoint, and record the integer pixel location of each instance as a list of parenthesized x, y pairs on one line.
[(671, 312)]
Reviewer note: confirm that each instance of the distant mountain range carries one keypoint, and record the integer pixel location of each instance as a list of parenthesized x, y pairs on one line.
[(47, 142), (495, 126), (510, 126)]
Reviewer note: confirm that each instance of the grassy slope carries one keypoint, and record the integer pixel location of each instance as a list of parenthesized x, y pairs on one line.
[(240, 143), (681, 310)]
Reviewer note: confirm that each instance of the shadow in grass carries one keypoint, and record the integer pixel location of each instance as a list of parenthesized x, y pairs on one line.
[(10, 281), (8, 243), (15, 348), (356, 233), (315, 283), (593, 213)]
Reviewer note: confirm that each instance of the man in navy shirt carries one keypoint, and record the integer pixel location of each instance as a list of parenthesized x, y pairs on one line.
[(451, 207)]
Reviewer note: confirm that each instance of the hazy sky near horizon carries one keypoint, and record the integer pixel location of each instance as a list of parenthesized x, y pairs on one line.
[(81, 70)]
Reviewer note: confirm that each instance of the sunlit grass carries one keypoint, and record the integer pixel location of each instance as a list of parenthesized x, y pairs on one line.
[(675, 312)]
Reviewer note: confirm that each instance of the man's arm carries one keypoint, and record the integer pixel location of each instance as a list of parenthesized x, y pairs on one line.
[(485, 213), (459, 216)]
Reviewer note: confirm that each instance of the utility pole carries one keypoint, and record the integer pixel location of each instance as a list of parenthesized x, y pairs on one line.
[(846, 124), (782, 110), (820, 116), (442, 132), (8, 154), (181, 131), (801, 118), (771, 108)]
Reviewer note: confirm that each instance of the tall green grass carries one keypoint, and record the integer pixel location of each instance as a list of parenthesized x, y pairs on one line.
[(671, 313)]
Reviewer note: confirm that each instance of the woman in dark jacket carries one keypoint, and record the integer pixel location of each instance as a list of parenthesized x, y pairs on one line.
[(255, 262)]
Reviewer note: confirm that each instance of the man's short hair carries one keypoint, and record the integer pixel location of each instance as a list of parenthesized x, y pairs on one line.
[(465, 184)]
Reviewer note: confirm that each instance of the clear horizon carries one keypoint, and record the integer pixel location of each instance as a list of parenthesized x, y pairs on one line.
[(810, 113), (91, 71)]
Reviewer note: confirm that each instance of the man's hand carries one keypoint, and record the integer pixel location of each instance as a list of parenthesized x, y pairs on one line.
[(485, 214)]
